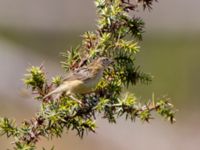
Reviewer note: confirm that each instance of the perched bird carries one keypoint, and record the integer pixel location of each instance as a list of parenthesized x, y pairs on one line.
[(83, 80)]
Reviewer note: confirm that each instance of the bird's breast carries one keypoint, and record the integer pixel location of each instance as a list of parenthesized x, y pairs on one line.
[(92, 82), (86, 86)]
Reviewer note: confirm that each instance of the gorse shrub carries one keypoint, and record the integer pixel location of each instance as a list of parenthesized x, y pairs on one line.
[(116, 37)]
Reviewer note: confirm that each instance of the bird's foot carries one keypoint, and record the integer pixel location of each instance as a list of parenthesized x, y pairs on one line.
[(75, 99)]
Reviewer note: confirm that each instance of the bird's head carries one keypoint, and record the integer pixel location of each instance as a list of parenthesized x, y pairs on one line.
[(104, 61)]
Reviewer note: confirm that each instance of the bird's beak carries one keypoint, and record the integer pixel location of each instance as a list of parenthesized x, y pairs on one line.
[(111, 61)]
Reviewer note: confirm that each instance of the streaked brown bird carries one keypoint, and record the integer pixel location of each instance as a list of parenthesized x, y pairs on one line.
[(83, 80)]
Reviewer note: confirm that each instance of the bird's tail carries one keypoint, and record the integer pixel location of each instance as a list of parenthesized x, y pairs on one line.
[(59, 89)]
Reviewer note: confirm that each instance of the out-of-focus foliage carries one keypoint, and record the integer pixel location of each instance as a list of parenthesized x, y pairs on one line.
[(111, 39)]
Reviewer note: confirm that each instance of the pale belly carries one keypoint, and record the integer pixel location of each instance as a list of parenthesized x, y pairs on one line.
[(87, 86)]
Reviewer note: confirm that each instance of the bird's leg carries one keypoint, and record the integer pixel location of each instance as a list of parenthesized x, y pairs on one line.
[(72, 97)]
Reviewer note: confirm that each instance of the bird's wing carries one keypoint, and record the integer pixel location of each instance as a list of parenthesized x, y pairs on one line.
[(83, 73)]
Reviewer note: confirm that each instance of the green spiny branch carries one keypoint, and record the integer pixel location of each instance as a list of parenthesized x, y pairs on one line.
[(116, 37)]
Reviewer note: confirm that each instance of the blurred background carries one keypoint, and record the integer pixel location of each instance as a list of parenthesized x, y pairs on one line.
[(35, 32)]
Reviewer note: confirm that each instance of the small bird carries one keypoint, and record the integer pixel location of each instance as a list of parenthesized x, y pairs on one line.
[(83, 80)]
